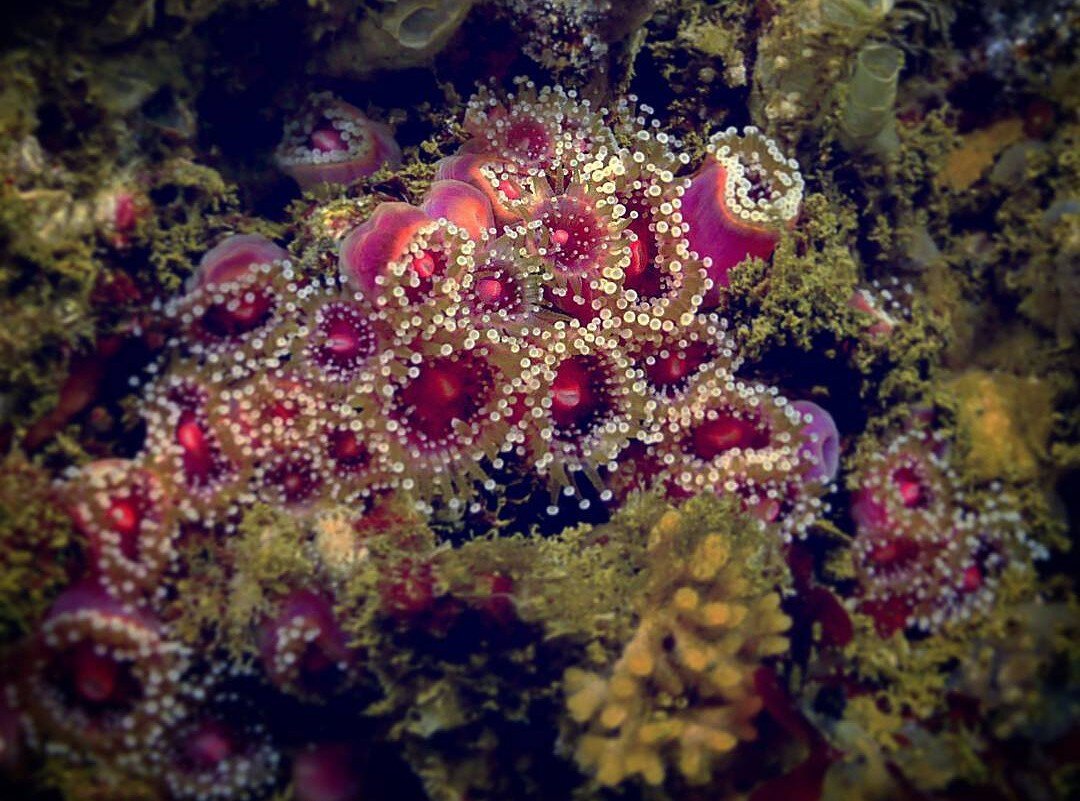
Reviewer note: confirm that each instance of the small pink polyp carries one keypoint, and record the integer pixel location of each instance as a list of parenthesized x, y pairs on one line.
[(462, 204), (327, 772), (234, 257), (745, 194), (334, 143), (821, 441), (367, 251), (512, 193)]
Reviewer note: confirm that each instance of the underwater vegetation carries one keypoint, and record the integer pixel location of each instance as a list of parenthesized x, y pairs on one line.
[(529, 399)]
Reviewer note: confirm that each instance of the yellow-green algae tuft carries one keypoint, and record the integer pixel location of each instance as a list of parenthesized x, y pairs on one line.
[(36, 545)]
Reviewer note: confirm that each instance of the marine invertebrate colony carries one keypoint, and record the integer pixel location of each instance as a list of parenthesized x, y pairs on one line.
[(502, 463), (542, 303), (925, 553)]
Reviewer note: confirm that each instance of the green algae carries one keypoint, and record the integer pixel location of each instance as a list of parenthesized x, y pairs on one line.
[(803, 296), (37, 544), (193, 208), (46, 289), (93, 782), (717, 34), (1021, 651), (464, 716)]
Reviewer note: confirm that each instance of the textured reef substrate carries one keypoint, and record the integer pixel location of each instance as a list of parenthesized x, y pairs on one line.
[(537, 399)]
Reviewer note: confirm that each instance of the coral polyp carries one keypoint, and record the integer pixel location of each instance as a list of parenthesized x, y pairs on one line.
[(234, 257), (584, 405), (742, 439), (129, 521), (99, 676), (303, 648), (342, 341), (449, 410), (740, 200), (332, 142), (218, 749)]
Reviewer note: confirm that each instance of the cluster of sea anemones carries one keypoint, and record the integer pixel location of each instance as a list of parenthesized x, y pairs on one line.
[(926, 551), (542, 302), (552, 303)]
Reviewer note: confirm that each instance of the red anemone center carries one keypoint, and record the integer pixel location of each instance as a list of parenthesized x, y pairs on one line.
[(574, 233), (972, 579), (725, 432), (238, 315), (328, 140), (496, 290), (510, 189), (96, 676), (426, 266), (344, 338), (578, 393), (210, 744), (642, 274), (673, 368), (296, 478), (894, 553), (348, 450), (197, 456), (446, 389), (124, 517), (913, 492), (528, 139)]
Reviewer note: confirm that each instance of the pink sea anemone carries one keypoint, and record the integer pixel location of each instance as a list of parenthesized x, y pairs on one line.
[(327, 772), (821, 441), (303, 648), (745, 194), (333, 142), (460, 203), (234, 257), (97, 673)]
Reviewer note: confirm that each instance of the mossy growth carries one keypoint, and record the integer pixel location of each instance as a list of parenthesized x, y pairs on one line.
[(36, 545), (910, 677), (803, 297), (468, 644), (466, 674), (193, 207), (933, 707), (230, 584), (46, 283), (720, 32), (1026, 669), (700, 52), (94, 782), (806, 53), (1038, 236)]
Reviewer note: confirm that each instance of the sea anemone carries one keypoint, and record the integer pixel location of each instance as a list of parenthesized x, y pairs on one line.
[(740, 201), (333, 142)]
